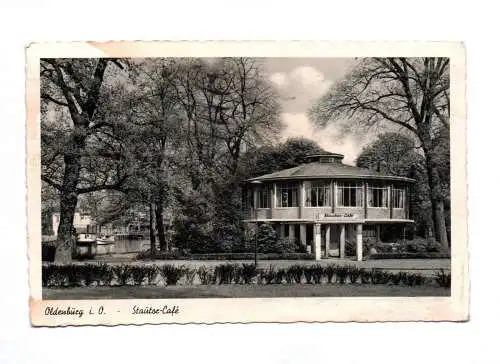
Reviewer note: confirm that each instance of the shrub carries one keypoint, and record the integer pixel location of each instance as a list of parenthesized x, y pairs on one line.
[(248, 272), (206, 275), (51, 276), (317, 273), (379, 276), (415, 247), (104, 274), (225, 273), (396, 278), (383, 248), (48, 252), (296, 271), (138, 274), (433, 247), (419, 279), (413, 279), (329, 272), (280, 276), (156, 255), (151, 273), (354, 273), (289, 278), (286, 246), (442, 278), (350, 248), (270, 275), (365, 276), (46, 275), (123, 273), (418, 245), (190, 274), (397, 255), (308, 273), (260, 276), (224, 256), (342, 274), (171, 274)]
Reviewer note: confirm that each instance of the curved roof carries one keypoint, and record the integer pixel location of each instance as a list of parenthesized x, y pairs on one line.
[(326, 154), (316, 170)]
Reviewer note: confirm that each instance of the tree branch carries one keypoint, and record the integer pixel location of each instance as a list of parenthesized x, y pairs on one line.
[(112, 186), (57, 186), (50, 98)]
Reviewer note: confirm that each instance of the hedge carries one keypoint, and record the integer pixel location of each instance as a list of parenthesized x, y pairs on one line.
[(48, 252), (74, 275), (397, 255), (223, 256)]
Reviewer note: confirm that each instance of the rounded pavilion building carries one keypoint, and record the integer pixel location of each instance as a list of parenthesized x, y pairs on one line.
[(324, 202)]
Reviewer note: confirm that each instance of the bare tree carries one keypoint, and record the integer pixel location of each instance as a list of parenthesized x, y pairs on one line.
[(411, 94), (81, 152), (228, 106), (157, 143)]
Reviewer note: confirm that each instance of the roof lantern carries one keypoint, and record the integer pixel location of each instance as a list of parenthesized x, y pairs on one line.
[(325, 158)]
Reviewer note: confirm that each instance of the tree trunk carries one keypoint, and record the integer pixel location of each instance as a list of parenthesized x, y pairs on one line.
[(152, 237), (437, 202), (69, 198), (67, 207), (65, 237), (159, 222)]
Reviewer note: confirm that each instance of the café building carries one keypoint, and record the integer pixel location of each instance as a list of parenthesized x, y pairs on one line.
[(324, 203)]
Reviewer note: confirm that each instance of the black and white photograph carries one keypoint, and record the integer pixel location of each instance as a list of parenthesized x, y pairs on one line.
[(305, 177)]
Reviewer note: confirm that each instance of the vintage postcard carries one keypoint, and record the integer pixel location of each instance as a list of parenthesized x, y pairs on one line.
[(240, 182)]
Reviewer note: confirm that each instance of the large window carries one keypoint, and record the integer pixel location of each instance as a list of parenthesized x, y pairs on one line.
[(349, 194), (398, 198), (263, 198), (318, 193), (287, 195), (378, 196)]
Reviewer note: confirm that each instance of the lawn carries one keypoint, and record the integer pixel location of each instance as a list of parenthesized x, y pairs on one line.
[(236, 290)]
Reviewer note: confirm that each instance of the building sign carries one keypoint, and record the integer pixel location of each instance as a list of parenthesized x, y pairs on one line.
[(338, 216)]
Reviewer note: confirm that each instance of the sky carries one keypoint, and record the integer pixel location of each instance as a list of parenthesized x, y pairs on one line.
[(300, 83)]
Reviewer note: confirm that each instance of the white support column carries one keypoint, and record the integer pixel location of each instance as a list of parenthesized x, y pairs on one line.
[(342, 241), (334, 197), (359, 242), (291, 232), (274, 203), (302, 201), (303, 234), (317, 241), (327, 240)]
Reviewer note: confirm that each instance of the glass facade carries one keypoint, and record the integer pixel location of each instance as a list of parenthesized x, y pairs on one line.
[(318, 193), (287, 195), (263, 198), (349, 194), (398, 198), (378, 195)]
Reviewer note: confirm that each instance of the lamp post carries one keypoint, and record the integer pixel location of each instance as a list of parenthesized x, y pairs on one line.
[(256, 232)]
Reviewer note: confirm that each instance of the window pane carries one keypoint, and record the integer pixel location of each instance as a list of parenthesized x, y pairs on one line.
[(378, 196)]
